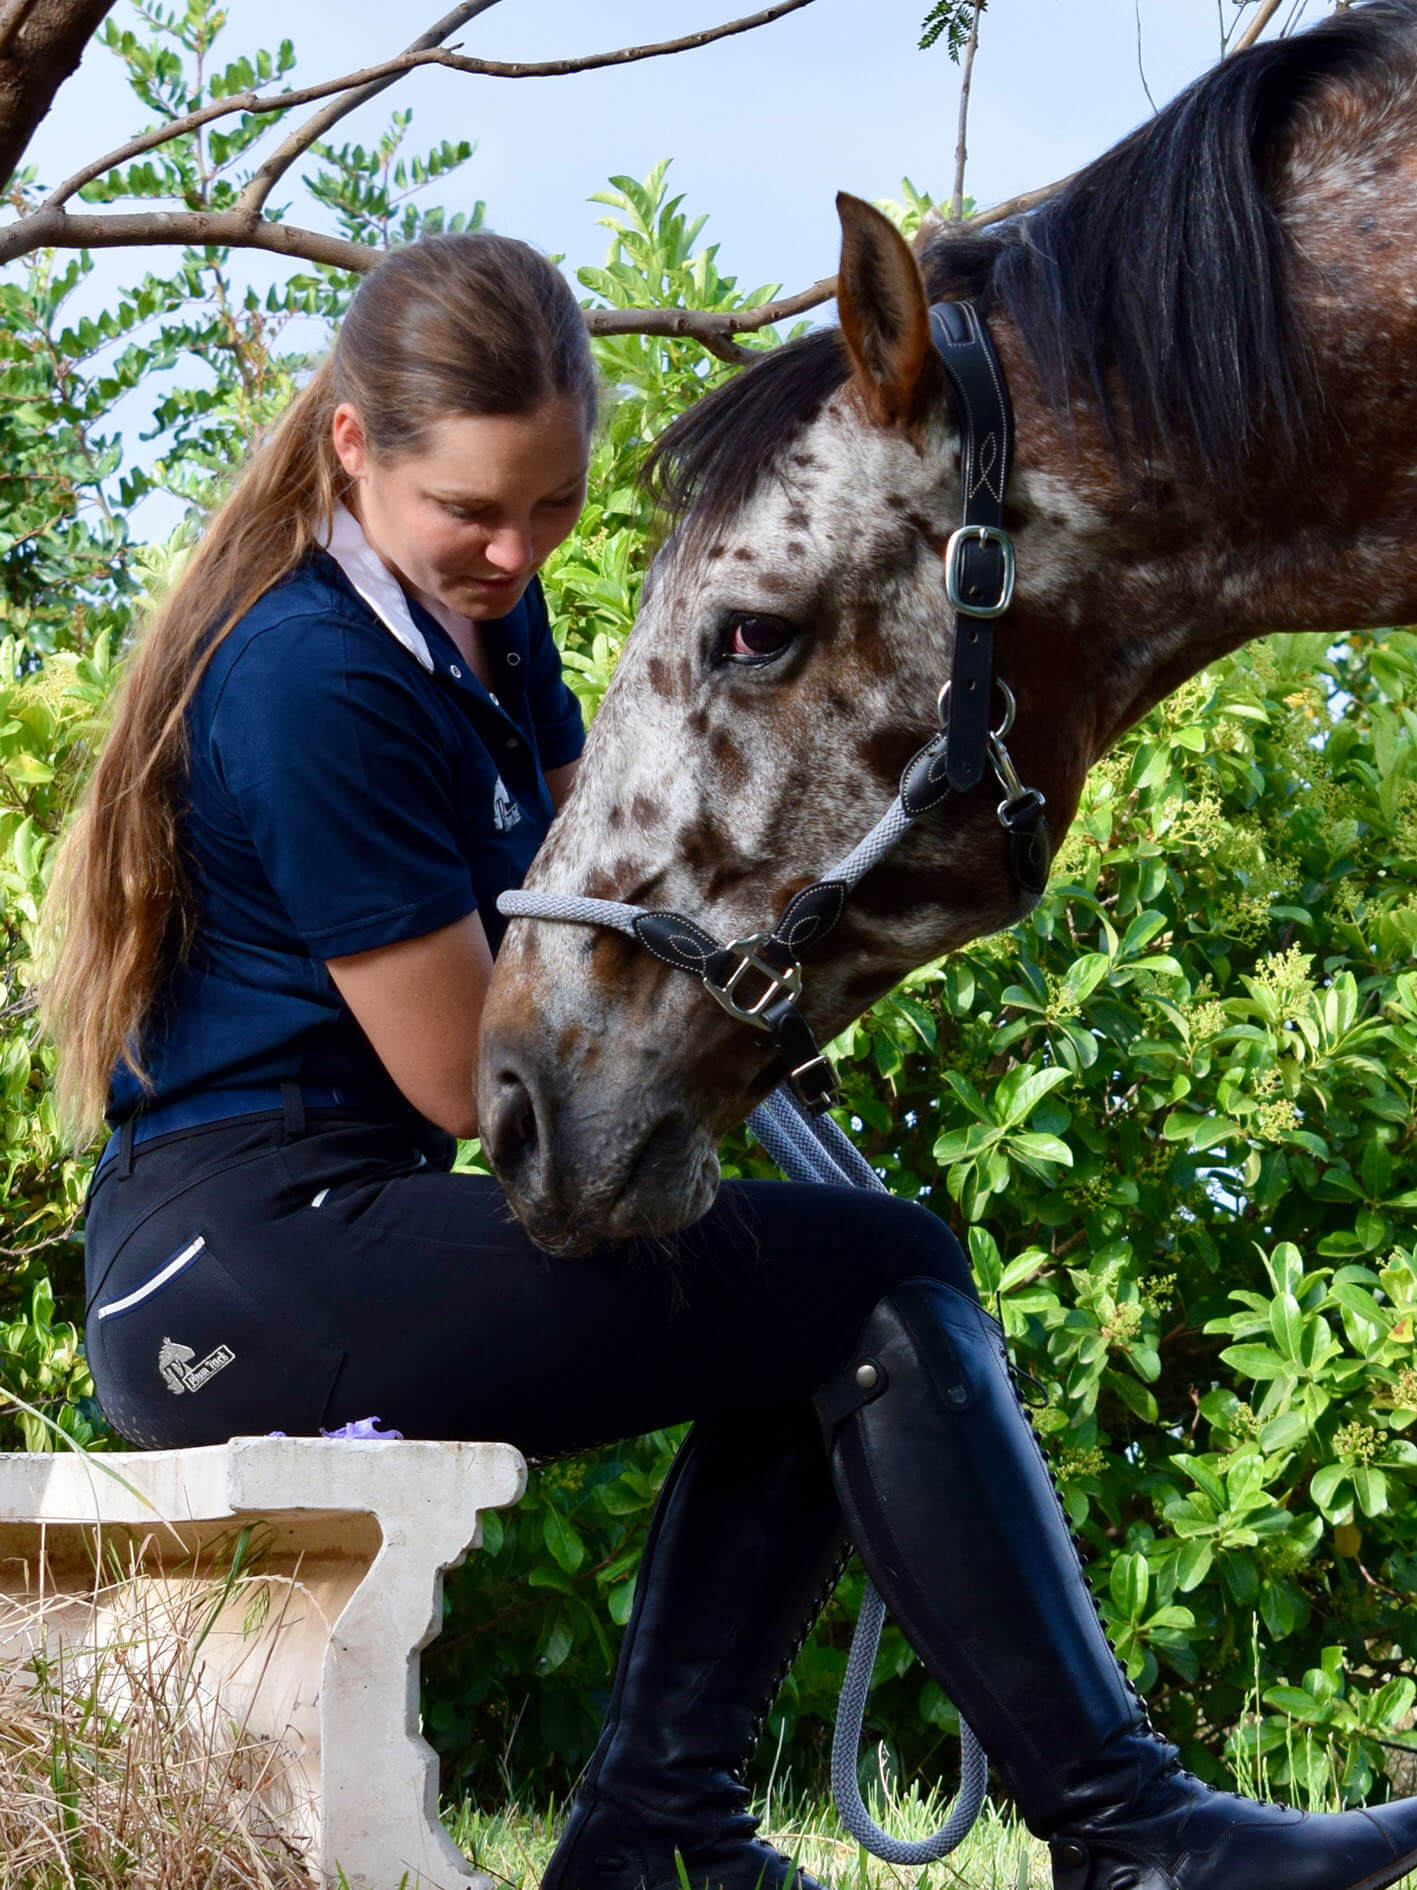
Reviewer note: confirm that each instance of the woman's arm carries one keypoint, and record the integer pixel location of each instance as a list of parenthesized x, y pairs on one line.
[(559, 781), (419, 1002)]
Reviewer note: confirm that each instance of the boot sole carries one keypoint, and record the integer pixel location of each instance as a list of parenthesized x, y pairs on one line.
[(1387, 1877)]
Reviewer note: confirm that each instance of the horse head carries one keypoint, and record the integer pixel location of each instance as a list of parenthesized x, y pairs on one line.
[(1184, 479)]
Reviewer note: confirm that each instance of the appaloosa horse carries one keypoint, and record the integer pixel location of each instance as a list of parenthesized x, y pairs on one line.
[(1211, 341)]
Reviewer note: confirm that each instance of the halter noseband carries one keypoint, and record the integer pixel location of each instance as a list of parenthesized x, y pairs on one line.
[(758, 979)]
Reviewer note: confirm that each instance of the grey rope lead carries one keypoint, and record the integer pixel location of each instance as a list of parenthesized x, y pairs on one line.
[(846, 1746), (569, 908), (788, 1142), (814, 1148)]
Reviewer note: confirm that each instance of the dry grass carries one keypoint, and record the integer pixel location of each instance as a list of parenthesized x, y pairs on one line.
[(119, 1768)]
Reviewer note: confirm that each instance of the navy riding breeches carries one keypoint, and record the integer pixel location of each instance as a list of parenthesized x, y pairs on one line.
[(258, 1274)]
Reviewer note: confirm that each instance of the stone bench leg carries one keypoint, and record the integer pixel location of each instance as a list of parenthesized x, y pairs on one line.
[(352, 1538)]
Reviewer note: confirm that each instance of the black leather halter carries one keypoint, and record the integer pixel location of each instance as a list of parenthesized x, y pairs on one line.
[(758, 979)]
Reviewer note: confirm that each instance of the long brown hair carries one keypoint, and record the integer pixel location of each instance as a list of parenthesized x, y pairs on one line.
[(461, 324)]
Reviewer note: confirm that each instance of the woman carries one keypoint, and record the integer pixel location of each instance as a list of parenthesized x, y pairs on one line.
[(342, 736)]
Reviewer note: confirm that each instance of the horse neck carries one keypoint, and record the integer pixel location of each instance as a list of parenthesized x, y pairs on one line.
[(1129, 584)]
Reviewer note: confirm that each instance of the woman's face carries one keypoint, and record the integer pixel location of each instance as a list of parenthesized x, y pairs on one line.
[(471, 518)]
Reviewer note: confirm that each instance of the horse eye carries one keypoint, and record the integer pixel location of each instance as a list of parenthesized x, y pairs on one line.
[(753, 639)]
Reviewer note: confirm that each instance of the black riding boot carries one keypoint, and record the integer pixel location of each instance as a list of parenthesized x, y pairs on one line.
[(742, 1554), (955, 1515)]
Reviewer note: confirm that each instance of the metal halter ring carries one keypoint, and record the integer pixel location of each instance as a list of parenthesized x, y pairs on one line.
[(780, 983), (954, 557), (1010, 710)]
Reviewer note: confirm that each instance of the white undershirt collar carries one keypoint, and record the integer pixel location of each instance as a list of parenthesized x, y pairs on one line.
[(375, 582)]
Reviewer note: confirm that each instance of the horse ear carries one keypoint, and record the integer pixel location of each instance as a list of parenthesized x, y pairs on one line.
[(885, 314)]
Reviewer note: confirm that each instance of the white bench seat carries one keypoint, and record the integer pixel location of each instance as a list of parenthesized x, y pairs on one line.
[(313, 1651)]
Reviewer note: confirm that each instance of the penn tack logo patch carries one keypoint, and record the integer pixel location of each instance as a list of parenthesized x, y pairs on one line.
[(505, 812), (179, 1373)]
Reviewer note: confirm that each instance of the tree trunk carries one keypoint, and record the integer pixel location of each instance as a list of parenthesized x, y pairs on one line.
[(41, 42)]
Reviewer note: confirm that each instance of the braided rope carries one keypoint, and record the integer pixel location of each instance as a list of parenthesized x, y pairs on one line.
[(568, 907), (814, 1148), (846, 1744), (888, 831)]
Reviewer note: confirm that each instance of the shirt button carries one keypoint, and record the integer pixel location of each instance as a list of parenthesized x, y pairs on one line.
[(453, 670), (512, 659), (513, 742)]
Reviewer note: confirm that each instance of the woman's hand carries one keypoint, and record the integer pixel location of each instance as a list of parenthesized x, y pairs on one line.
[(420, 1005)]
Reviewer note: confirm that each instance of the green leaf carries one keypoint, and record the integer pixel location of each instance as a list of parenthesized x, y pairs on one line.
[(1257, 1361), (563, 1540), (1020, 1092), (1130, 1583), (1047, 1148), (1193, 1563)]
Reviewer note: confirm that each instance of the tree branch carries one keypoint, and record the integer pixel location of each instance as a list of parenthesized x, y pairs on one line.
[(720, 323), (1268, 9), (227, 229), (261, 185), (52, 227), (265, 179), (372, 78), (961, 149)]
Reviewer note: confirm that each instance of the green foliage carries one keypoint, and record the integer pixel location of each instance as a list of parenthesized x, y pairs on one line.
[(951, 21), (517, 1683), (47, 719), (1171, 1115), (593, 581), (63, 547), (915, 207)]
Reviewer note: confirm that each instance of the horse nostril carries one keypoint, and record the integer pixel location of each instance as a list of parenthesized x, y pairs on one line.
[(513, 1137)]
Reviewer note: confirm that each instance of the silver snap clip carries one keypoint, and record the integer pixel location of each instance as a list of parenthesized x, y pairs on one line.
[(867, 1376)]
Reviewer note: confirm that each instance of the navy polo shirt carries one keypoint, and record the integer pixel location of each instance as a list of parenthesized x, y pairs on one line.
[(342, 796)]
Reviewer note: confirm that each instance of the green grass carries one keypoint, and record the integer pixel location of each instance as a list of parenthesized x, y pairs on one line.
[(513, 1844)]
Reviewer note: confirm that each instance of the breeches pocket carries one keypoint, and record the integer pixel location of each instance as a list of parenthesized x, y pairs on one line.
[(183, 1352)]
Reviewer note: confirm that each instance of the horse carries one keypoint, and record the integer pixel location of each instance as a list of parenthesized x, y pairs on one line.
[(1210, 339)]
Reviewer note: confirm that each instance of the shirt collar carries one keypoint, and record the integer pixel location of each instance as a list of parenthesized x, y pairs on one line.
[(375, 582)]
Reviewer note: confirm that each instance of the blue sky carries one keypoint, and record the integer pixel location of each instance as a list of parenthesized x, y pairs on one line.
[(764, 129)]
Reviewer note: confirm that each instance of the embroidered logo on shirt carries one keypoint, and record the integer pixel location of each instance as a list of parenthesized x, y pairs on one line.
[(179, 1374), (505, 812)]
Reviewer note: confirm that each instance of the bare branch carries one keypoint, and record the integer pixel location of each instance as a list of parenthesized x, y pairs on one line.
[(1015, 206), (227, 229), (264, 181), (722, 323), (255, 102), (51, 226), (961, 148), (261, 185), (1267, 11), (258, 103)]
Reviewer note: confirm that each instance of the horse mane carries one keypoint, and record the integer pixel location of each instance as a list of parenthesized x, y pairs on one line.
[(1156, 280)]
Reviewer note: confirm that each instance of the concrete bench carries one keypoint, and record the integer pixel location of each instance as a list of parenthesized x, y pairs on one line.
[(309, 1653)]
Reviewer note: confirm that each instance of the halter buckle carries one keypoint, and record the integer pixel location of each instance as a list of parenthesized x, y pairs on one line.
[(815, 1083), (954, 571), (779, 981)]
